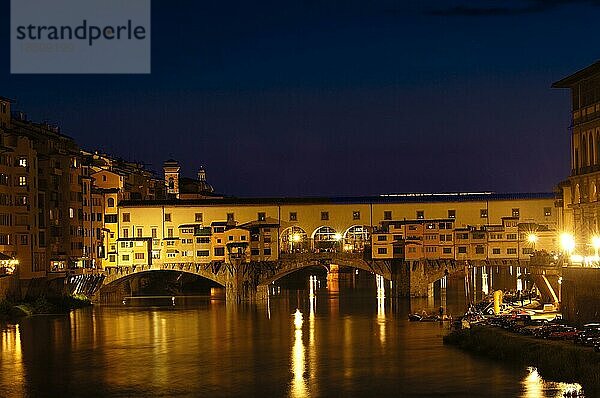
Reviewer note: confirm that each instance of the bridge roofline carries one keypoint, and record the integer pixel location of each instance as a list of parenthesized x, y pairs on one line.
[(365, 200)]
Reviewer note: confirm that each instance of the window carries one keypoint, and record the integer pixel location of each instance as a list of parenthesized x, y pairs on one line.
[(381, 238), (479, 250), (515, 212), (387, 215), (198, 217), (431, 249), (447, 250), (462, 250), (483, 213), (125, 233), (511, 236), (126, 217), (451, 213), (547, 211), (356, 215), (23, 162), (110, 202), (24, 239), (230, 237), (267, 239), (125, 257), (495, 250), (420, 214), (397, 237), (22, 181), (110, 218), (527, 250), (230, 217), (293, 216), (462, 236), (4, 239), (139, 256), (267, 252), (512, 250), (255, 252), (154, 233), (382, 250), (203, 239), (202, 253), (262, 216), (324, 215), (112, 258), (168, 217), (430, 225), (169, 232), (139, 232), (219, 251)]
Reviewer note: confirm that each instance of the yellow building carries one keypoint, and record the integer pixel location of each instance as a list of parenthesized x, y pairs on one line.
[(462, 227)]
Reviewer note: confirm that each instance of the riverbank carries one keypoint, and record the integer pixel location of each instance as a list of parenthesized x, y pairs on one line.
[(557, 360), (13, 310)]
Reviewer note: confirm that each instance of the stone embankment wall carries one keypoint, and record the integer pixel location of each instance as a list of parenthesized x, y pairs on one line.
[(581, 295), (9, 287)]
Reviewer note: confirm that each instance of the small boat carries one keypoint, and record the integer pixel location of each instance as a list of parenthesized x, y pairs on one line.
[(414, 317)]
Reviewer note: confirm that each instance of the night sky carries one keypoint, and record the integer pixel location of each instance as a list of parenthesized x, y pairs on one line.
[(301, 98)]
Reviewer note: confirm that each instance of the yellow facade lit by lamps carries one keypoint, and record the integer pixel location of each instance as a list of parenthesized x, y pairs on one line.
[(596, 242)]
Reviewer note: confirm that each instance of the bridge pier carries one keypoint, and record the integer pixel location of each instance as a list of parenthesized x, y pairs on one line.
[(246, 291), (415, 278)]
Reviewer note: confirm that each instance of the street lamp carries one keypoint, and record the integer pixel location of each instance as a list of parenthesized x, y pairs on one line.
[(567, 245), (532, 239)]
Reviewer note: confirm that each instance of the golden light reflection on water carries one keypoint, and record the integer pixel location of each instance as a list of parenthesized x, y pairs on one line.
[(381, 308), (11, 347), (534, 386), (298, 387)]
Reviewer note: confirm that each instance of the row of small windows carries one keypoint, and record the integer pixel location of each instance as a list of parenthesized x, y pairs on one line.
[(293, 216)]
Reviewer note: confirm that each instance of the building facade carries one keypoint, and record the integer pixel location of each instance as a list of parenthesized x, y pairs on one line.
[(580, 191)]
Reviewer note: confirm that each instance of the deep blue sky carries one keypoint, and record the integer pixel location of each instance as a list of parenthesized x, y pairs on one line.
[(348, 98)]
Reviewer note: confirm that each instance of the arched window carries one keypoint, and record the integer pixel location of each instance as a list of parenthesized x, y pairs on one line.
[(110, 202), (577, 195), (171, 183), (583, 146), (591, 150), (294, 240), (355, 238), (593, 193), (326, 239)]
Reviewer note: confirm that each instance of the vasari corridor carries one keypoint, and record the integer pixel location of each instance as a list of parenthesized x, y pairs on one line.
[(299, 199)]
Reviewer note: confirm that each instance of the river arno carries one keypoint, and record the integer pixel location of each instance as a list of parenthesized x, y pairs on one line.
[(347, 339)]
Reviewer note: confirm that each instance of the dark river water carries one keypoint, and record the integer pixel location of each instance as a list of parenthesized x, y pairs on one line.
[(314, 338)]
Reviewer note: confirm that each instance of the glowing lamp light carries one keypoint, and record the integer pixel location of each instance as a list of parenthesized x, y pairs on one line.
[(567, 242), (596, 242), (296, 238), (337, 236), (532, 238), (576, 259)]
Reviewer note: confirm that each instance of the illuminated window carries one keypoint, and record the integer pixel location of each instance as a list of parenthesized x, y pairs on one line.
[(515, 212), (451, 213), (71, 212), (23, 162), (22, 181), (262, 216), (547, 211), (483, 213), (198, 217), (356, 215), (420, 214)]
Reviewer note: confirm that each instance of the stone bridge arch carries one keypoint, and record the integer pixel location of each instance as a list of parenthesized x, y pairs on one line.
[(290, 263)]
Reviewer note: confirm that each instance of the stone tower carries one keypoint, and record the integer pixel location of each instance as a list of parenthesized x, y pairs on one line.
[(171, 169)]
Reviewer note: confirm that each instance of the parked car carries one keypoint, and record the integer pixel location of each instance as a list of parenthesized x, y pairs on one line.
[(567, 333)]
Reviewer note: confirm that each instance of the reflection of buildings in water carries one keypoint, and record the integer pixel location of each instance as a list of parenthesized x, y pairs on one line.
[(534, 386), (12, 355), (298, 387), (484, 281)]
